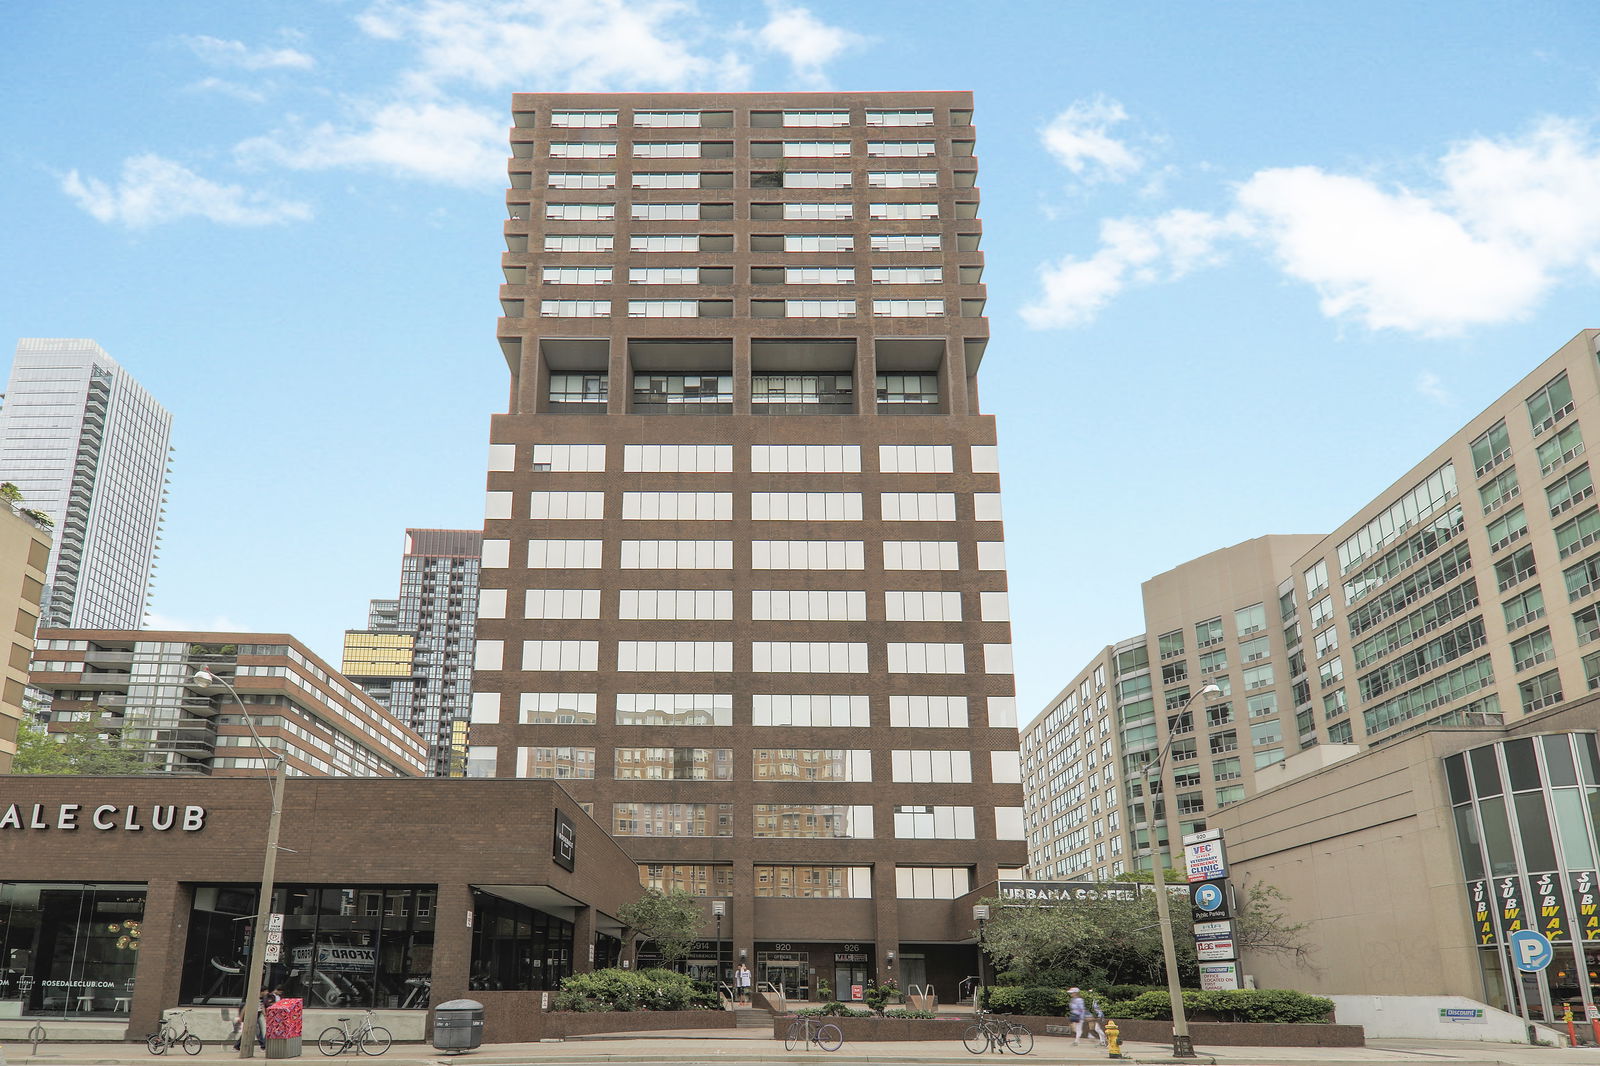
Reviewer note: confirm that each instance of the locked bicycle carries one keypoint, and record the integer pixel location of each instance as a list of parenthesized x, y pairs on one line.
[(805, 1031), (168, 1034), (366, 1038), (993, 1032)]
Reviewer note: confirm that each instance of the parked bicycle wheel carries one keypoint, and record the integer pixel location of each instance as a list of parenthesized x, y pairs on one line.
[(332, 1041), (795, 1036), (976, 1039), (829, 1037), (191, 1044), (157, 1043), (376, 1042), (1019, 1038)]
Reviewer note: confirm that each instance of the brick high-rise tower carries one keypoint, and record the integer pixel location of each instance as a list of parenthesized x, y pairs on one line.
[(743, 579)]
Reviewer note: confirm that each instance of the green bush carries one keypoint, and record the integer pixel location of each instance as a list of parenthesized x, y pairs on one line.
[(834, 1010), (1243, 1005), (617, 990), (880, 996), (1034, 1000), (907, 1012)]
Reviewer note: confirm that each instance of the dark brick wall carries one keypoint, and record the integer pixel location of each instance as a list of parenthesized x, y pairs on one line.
[(451, 833)]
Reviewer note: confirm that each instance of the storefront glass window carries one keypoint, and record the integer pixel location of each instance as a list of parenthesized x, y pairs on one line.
[(343, 946), (517, 947), (68, 949)]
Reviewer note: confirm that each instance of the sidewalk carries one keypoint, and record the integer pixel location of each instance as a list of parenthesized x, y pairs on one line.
[(697, 1048)]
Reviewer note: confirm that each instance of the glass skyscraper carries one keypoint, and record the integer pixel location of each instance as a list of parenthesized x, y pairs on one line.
[(89, 447)]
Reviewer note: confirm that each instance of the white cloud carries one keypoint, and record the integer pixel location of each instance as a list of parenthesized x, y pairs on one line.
[(221, 53), (572, 45), (228, 88), (153, 190), (1131, 250), (806, 41), (218, 623), (1500, 223), (1431, 387), (1080, 139), (449, 142)]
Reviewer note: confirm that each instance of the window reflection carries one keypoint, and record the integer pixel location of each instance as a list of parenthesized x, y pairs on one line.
[(68, 949)]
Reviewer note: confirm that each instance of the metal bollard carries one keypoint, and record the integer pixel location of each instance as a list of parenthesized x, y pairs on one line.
[(1113, 1040)]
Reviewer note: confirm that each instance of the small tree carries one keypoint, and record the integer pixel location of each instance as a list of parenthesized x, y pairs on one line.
[(671, 919), (86, 748)]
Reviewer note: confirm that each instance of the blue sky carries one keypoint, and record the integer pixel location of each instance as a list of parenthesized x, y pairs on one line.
[(1247, 262)]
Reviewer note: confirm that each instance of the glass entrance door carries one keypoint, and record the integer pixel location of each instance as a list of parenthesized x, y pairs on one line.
[(785, 971), (850, 981)]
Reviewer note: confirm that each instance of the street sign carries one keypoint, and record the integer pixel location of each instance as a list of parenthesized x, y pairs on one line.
[(274, 936), (1213, 941), (275, 922), (1219, 976), (274, 952), (1203, 835), (1206, 860), (1209, 901), (1530, 950)]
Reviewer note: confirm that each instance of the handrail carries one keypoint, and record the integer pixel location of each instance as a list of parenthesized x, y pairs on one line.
[(726, 991), (926, 991), (968, 984)]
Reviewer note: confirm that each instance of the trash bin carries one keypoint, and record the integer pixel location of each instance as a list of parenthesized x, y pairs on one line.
[(284, 1021), (458, 1025)]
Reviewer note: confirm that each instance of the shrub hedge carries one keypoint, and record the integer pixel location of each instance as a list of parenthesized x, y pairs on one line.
[(835, 1010), (615, 990), (1242, 1005), (1143, 1002)]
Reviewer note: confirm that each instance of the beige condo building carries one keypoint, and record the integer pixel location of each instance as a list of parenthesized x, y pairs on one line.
[(1466, 593), (24, 559)]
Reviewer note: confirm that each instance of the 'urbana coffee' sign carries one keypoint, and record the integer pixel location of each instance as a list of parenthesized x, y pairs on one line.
[(160, 817)]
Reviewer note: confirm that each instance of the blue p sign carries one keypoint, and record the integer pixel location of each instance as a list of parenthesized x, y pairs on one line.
[(1530, 951)]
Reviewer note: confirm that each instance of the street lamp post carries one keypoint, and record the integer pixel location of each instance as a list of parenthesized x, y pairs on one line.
[(1182, 1045), (718, 908), (251, 1006), (980, 914)]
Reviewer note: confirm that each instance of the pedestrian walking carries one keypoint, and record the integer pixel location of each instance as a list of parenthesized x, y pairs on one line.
[(1095, 1017), (742, 979), (1077, 1012)]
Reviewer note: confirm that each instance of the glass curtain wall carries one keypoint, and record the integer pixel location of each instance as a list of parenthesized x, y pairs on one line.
[(68, 949), (1526, 813), (343, 946)]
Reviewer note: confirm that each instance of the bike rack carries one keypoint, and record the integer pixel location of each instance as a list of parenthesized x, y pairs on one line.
[(927, 991)]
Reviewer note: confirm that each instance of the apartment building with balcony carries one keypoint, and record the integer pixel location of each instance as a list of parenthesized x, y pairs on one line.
[(24, 561), (140, 687), (89, 447), (415, 656), (743, 583), (1467, 593)]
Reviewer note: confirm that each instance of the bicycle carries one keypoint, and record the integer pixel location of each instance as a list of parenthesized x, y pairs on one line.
[(167, 1034), (994, 1033), (804, 1031), (366, 1038)]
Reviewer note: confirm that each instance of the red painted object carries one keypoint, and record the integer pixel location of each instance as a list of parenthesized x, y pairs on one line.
[(285, 1018)]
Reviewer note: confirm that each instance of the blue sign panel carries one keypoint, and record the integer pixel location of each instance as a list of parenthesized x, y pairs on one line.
[(1530, 950)]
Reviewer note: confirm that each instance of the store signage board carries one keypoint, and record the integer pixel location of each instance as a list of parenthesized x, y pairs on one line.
[(133, 818), (1059, 891), (1219, 976), (1206, 860), (1463, 1015), (564, 848)]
